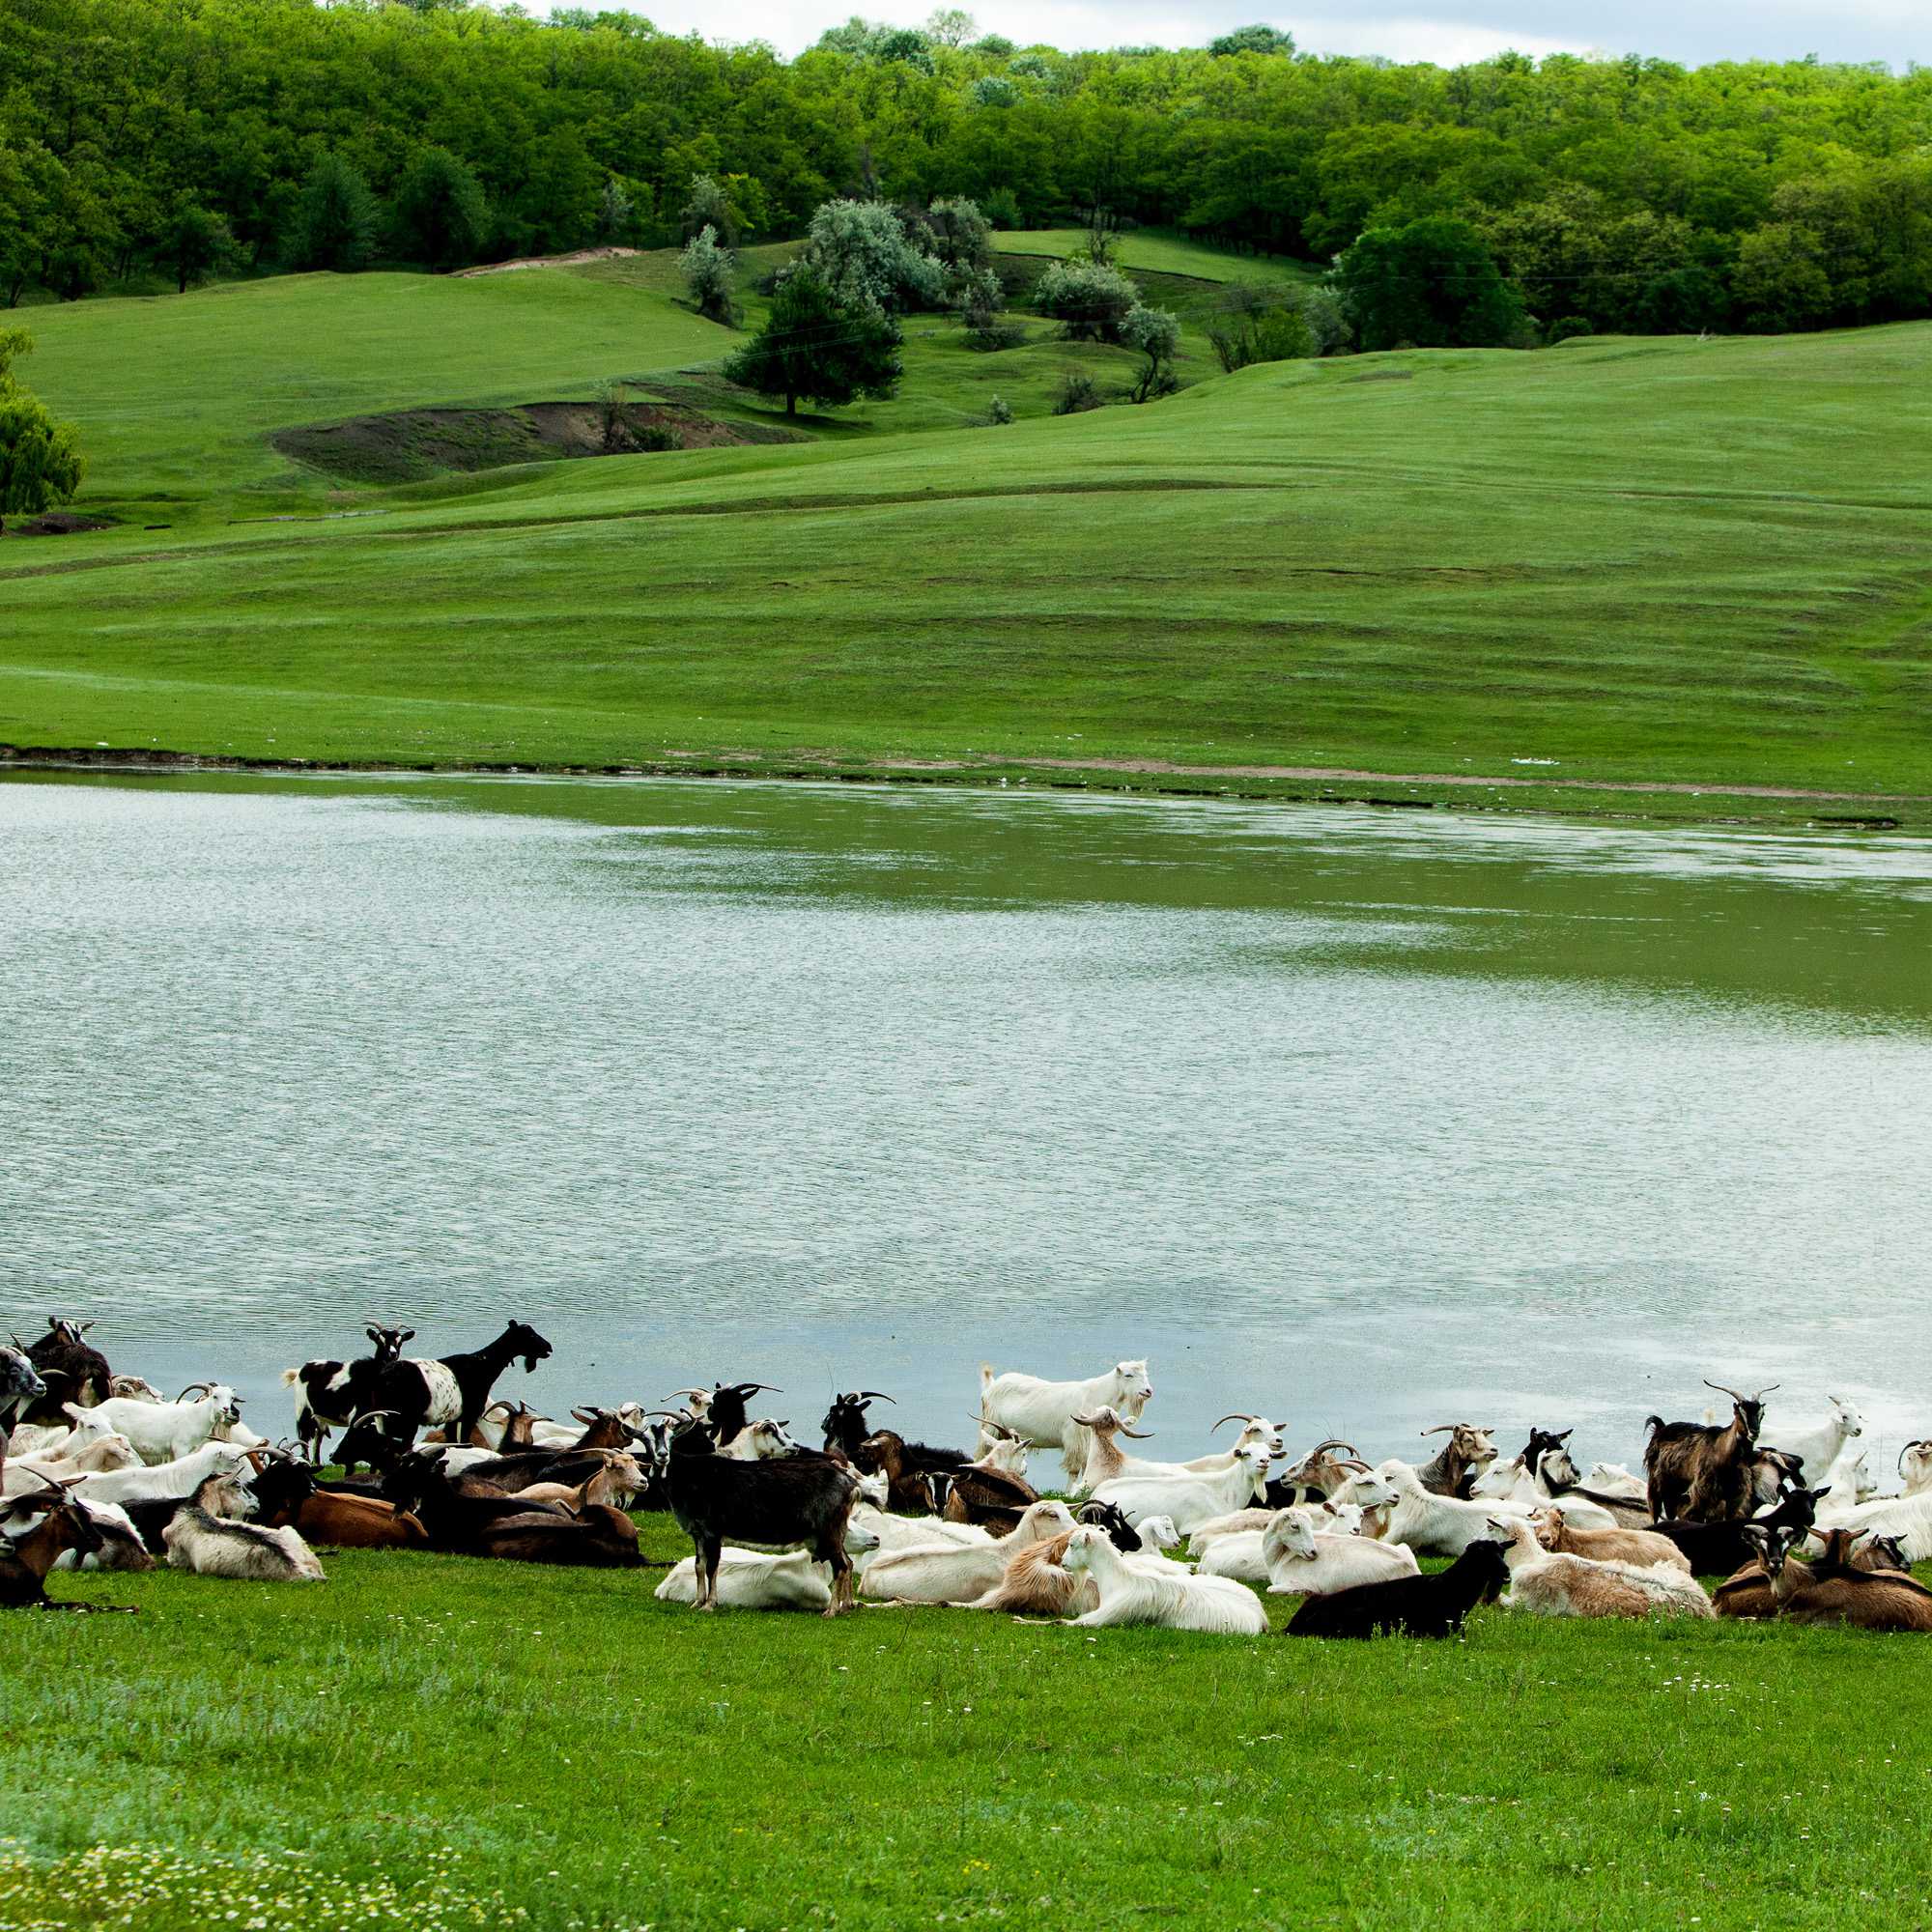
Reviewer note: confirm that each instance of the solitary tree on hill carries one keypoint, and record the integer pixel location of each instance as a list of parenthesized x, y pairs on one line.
[(40, 458), (813, 346), (1432, 285)]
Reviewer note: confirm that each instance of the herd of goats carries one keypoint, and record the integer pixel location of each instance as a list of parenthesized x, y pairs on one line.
[(98, 1470)]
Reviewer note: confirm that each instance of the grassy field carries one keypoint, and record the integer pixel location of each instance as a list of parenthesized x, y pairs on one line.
[(1152, 252), (1700, 563), (427, 1739)]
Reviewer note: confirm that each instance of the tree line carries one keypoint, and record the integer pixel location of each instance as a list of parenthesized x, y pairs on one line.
[(184, 136)]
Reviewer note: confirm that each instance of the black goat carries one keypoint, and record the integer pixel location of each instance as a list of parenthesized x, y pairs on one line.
[(1121, 1533), (790, 1501), (73, 1371), (334, 1393), (453, 1390), (1432, 1605), (1704, 1471), (721, 1408), (845, 1424), (1718, 1549), (452, 1518)]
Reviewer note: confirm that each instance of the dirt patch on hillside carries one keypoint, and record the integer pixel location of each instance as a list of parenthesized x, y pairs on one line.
[(56, 524), (546, 262), (412, 445)]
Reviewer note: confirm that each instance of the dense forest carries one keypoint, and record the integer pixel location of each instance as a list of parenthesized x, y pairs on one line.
[(180, 137)]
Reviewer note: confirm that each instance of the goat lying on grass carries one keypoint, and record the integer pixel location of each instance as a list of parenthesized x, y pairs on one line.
[(1434, 1605), (1170, 1598), (1550, 1585), (210, 1546)]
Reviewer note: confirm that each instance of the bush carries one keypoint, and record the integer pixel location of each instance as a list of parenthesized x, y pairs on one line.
[(660, 436), (706, 269), (1002, 208), (999, 411), (1567, 329), (860, 247), (708, 207), (995, 335), (995, 90), (40, 464), (1433, 284), (961, 235), (1091, 301), (1078, 393), (1326, 318), (441, 214), (1259, 324), (614, 213)]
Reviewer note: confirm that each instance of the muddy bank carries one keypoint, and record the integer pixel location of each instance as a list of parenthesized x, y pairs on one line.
[(55, 524), (413, 445)]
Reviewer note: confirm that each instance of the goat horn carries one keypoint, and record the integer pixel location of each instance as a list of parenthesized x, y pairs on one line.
[(1330, 1442), (204, 1388), (692, 1393), (1139, 1434), (1442, 1429), (1734, 1395), (749, 1389), (1233, 1415), (1763, 1392), (876, 1395), (1355, 1463)]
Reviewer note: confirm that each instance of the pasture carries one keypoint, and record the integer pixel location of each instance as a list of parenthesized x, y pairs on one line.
[(1615, 564), (434, 1736)]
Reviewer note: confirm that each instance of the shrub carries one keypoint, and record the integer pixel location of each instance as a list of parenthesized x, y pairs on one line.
[(999, 411), (706, 269), (660, 436), (1566, 328), (614, 211), (708, 207), (41, 463), (1433, 284), (1091, 301), (1155, 333), (1326, 318), (1002, 208), (1259, 324), (1078, 393), (961, 235), (860, 249)]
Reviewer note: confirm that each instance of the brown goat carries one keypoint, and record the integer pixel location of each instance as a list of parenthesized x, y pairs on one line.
[(1640, 1546), (601, 1538), (1453, 1469), (615, 1483), (1839, 1593), (1701, 1471), (358, 1523)]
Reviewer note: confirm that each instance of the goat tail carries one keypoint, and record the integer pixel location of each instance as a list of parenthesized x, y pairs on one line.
[(1653, 1423), (986, 1378), (291, 1377)]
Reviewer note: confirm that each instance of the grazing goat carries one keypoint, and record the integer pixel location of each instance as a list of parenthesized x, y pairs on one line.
[(1699, 1471), (452, 1390), (332, 1393), (1042, 1412), (1298, 1559), (208, 1545), (71, 1368), (957, 1573), (26, 1559), (1642, 1548), (1547, 1585), (1191, 1499), (797, 1499), (164, 1431), (751, 1579), (1837, 1593), (1453, 1470), (1169, 1598), (1432, 1607)]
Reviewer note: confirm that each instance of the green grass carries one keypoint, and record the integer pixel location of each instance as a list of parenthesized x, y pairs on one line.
[(1702, 563), (1149, 250), (443, 1738)]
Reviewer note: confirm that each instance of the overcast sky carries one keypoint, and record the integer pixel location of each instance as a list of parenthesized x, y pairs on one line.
[(1895, 31)]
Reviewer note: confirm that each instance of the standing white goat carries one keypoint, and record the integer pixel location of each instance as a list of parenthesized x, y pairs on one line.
[(1189, 1499), (1042, 1412), (1170, 1599), (164, 1431), (1819, 1439)]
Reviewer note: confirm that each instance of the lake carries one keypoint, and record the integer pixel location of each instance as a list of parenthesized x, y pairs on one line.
[(1368, 1120)]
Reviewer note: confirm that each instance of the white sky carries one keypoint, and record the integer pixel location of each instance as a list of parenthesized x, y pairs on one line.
[(1894, 31)]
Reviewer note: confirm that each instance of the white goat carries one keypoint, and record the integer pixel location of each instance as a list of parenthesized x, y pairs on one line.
[(885, 1532), (1170, 1599), (1819, 1440), (1433, 1526), (1106, 1462), (955, 1573), (1300, 1560), (1189, 1499), (1042, 1412), (164, 1431), (1613, 1479), (1907, 1517), (752, 1579), (761, 1441), (209, 1546), (165, 1479), (1914, 1468), (101, 1453), (1547, 1585)]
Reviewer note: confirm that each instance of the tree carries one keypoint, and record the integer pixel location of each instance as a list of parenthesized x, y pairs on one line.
[(707, 274), (950, 26), (1254, 40), (1433, 284), (192, 245), (814, 346), (906, 46), (709, 206), (1156, 332), (441, 214), (614, 211), (862, 250), (335, 218), (40, 464), (1256, 323), (1091, 303), (962, 238)]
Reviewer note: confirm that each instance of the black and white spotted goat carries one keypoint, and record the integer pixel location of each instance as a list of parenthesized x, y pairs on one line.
[(419, 1392), (330, 1394)]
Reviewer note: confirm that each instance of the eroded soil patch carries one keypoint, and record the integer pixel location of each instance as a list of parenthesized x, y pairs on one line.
[(412, 445)]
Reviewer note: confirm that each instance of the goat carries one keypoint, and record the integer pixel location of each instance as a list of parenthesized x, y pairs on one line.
[(63, 1527), (613, 1486), (1192, 1499), (73, 1369), (1548, 1585), (1453, 1470), (1642, 1548), (1613, 1481), (797, 1499), (422, 1390), (1821, 1441), (134, 1388), (1106, 1462), (1300, 1559), (845, 1424), (599, 1537), (1914, 1468), (208, 1545), (1748, 1592), (953, 1573), (1716, 1548), (1546, 1472), (96, 1455), (169, 1482), (986, 1494), (286, 1497), (1908, 1517), (1836, 1593), (761, 1441), (881, 1532), (1034, 1584), (1434, 1606), (1701, 1471), (164, 1431), (454, 1519), (723, 1407), (1042, 1412), (22, 1386), (1318, 1476), (120, 1548), (1170, 1598), (751, 1579), (1433, 1524), (332, 1393)]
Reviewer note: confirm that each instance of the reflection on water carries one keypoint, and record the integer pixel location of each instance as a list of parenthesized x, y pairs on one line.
[(1368, 1120)]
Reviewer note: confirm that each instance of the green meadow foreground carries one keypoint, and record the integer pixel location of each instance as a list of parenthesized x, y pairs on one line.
[(438, 1740), (1619, 563)]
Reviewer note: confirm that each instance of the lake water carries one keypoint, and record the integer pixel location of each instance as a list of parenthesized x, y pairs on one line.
[(1368, 1120)]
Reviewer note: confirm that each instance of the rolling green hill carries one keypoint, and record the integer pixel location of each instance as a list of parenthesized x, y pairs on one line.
[(1703, 563)]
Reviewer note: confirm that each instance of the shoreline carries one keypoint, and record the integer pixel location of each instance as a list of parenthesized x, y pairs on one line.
[(1137, 778)]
